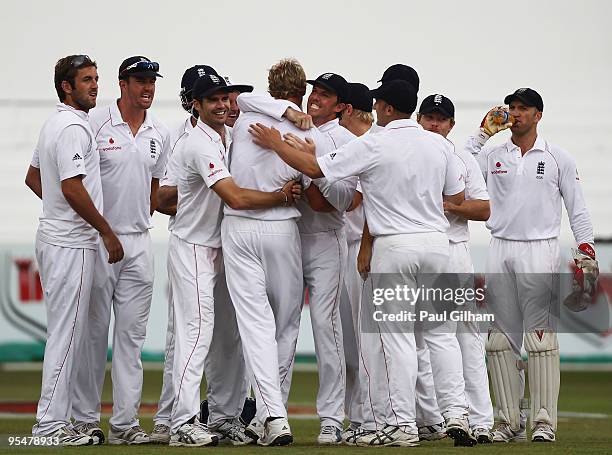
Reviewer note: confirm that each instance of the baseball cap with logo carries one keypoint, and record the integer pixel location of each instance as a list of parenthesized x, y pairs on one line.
[(360, 97), (237, 87), (398, 93), (528, 96), (138, 66), (438, 103), (211, 83), (190, 76), (333, 82), (402, 72)]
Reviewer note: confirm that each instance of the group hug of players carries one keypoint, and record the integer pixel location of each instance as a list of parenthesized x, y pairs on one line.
[(266, 201)]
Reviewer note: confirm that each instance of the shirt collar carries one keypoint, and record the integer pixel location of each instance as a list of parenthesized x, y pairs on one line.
[(212, 134), (539, 144), (403, 123), (81, 114), (329, 125), (117, 119)]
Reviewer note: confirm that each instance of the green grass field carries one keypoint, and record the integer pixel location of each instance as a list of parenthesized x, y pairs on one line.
[(582, 393)]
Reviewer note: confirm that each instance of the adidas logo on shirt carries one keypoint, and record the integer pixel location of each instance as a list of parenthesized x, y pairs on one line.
[(77, 157)]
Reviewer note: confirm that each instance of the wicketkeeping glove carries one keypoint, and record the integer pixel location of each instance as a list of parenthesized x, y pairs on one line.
[(584, 286), (496, 120)]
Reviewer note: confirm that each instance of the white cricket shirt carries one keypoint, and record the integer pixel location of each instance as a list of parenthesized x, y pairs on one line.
[(260, 169), (403, 170), (66, 149), (199, 162), (340, 194), (127, 165), (177, 135), (526, 191), (475, 188)]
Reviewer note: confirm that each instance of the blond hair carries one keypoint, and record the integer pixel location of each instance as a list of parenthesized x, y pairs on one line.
[(363, 116), (287, 79)]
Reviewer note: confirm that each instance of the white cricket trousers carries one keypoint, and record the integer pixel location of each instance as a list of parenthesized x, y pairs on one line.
[(67, 276), (127, 288), (411, 255), (324, 264), (263, 263), (224, 366), (522, 286), (472, 348), (349, 315), (195, 270)]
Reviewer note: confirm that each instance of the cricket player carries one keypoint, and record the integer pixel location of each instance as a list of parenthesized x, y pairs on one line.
[(527, 177), (167, 198), (204, 183), (225, 359), (358, 119), (410, 232), (67, 239), (133, 147), (437, 114)]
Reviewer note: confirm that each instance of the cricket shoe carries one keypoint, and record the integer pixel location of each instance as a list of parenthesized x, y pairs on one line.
[(457, 428), (232, 431), (193, 435), (91, 429), (160, 434), (482, 435), (543, 432), (67, 436), (432, 432), (503, 433), (350, 435), (276, 433), (131, 436), (389, 436), (254, 430), (330, 435)]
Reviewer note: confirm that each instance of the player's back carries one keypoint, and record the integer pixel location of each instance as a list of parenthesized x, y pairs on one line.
[(260, 169)]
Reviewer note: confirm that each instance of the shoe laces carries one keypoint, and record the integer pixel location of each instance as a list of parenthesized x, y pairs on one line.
[(160, 428), (87, 426)]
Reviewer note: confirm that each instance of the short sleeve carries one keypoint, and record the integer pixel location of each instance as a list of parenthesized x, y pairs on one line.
[(211, 168), (475, 184), (72, 144), (170, 177), (160, 167), (35, 159), (353, 158), (453, 183)]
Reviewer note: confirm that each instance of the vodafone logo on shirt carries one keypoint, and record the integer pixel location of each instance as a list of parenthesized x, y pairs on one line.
[(497, 171), (111, 147)]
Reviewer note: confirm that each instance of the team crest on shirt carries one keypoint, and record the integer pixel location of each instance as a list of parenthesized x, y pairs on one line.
[(540, 170), (153, 148)]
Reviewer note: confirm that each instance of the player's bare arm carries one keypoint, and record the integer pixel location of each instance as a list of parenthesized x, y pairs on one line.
[(167, 198), (32, 180), (244, 199), (357, 200), (365, 251), (154, 189), (474, 209), (270, 138), (77, 196)]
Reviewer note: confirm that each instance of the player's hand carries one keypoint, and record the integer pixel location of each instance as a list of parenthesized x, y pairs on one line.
[(449, 207), (113, 246), (293, 191), (584, 286), (496, 120), (364, 258), (265, 137), (307, 145), (300, 119)]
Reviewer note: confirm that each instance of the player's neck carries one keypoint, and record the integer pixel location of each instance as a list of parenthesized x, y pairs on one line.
[(318, 121), (360, 128), (133, 116), (525, 141)]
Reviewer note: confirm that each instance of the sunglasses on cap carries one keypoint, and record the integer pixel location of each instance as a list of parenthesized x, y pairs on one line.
[(141, 66), (79, 60)]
